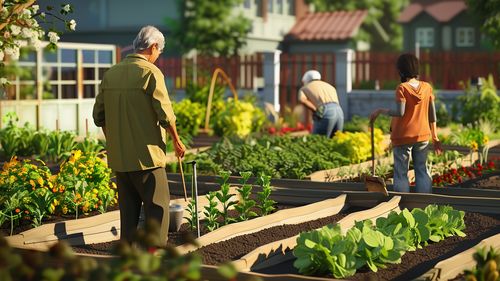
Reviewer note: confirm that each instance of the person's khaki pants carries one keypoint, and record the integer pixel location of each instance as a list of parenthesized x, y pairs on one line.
[(148, 187)]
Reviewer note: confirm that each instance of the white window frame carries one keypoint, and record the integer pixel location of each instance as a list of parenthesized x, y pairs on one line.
[(425, 36), (468, 38)]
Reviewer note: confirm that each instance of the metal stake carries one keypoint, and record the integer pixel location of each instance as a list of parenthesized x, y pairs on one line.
[(194, 193)]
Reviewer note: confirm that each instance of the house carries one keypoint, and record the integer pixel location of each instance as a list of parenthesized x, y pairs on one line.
[(441, 25), (118, 21), (326, 32)]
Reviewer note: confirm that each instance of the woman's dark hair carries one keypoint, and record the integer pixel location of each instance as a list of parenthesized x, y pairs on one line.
[(407, 66)]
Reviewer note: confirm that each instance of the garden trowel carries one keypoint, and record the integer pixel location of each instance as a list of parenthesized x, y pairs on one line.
[(374, 183)]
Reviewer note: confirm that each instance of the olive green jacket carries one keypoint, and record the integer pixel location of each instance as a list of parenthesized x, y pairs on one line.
[(134, 107)]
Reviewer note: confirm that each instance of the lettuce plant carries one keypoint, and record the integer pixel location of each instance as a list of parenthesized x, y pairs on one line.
[(325, 251), (444, 222)]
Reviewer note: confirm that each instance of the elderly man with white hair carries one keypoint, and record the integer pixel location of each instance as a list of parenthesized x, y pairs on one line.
[(322, 99), (135, 113)]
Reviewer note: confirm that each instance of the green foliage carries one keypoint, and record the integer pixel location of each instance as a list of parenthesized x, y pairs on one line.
[(191, 219), (362, 124), (278, 157), (90, 146), (488, 13), (225, 197), (487, 265), (327, 251), (265, 205), (83, 184), (485, 99), (210, 27), (61, 143), (142, 261), (23, 189), (211, 212), (245, 204), (189, 116), (237, 118), (197, 93), (381, 14), (14, 140)]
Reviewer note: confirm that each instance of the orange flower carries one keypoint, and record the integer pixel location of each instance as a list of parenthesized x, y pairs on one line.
[(18, 210)]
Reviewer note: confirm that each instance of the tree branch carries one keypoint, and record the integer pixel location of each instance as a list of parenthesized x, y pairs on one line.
[(18, 8)]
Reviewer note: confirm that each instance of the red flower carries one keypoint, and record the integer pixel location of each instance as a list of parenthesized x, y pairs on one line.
[(491, 165), (272, 130)]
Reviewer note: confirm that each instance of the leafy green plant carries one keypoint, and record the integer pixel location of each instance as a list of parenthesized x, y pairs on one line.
[(325, 251), (38, 207), (374, 245), (190, 116), (61, 143), (211, 212), (238, 118), (362, 124), (191, 218), (245, 204), (225, 197), (375, 249), (266, 205), (89, 146), (11, 208), (486, 98), (487, 265)]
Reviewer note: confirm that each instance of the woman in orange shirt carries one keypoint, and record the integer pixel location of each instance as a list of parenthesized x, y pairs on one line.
[(413, 123)]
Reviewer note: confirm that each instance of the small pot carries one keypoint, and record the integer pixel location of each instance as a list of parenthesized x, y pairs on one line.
[(176, 213)]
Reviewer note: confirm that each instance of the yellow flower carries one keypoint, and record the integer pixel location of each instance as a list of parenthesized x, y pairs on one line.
[(485, 140), (32, 183), (65, 210), (77, 154), (474, 146), (40, 181)]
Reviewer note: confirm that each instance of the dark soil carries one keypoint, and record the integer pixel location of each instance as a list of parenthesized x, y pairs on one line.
[(183, 236), (414, 264), (237, 247), (488, 181)]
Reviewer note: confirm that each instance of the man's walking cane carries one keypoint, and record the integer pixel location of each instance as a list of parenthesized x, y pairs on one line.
[(179, 160)]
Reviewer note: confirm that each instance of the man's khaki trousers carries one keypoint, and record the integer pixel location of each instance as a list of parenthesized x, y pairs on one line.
[(148, 187)]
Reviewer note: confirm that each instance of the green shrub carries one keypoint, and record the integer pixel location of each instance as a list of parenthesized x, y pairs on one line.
[(189, 116)]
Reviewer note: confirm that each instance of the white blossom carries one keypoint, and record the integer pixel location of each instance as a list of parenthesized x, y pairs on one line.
[(67, 8), (53, 37), (36, 43), (15, 30), (35, 8), (3, 81), (1, 55), (26, 13), (12, 52), (21, 43), (72, 24), (27, 32), (42, 14)]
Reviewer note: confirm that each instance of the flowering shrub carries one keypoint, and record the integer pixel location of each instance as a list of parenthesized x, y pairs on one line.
[(357, 145), (456, 176), (83, 184), (25, 191), (238, 118), (190, 116)]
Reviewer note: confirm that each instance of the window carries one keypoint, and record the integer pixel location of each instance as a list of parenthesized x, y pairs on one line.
[(247, 4), (279, 7), (270, 6), (291, 7), (464, 37), (258, 8), (425, 36)]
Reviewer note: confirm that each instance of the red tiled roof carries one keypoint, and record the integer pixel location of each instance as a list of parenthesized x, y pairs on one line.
[(339, 25), (441, 10)]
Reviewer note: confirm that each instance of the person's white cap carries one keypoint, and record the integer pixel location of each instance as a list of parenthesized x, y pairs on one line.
[(311, 75)]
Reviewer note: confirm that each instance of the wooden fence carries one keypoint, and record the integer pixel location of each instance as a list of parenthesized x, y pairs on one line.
[(445, 70), (242, 70), (292, 68)]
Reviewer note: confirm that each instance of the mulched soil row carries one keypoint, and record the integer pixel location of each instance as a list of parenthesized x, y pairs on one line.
[(414, 264), (184, 235), (488, 181)]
